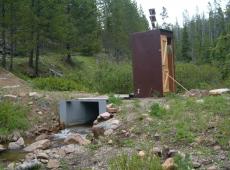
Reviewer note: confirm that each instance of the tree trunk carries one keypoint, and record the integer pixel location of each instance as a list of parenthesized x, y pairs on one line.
[(37, 54), (3, 37), (68, 56), (31, 56)]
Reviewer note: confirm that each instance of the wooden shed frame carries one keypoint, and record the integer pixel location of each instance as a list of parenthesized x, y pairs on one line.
[(153, 63)]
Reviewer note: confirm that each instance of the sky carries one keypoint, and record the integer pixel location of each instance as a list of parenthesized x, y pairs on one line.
[(175, 8)]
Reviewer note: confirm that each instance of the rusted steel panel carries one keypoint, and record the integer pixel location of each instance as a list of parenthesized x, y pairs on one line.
[(147, 63), (147, 66)]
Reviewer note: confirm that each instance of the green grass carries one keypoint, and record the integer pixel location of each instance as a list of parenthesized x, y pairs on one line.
[(183, 163), (56, 84), (134, 162), (114, 100), (13, 117), (157, 110)]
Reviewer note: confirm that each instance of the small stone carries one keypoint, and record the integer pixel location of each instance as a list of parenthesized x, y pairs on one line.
[(16, 136), (2, 148), (62, 153), (11, 166), (141, 153), (226, 165), (105, 116), (172, 153), (110, 142), (217, 147), (30, 103), (157, 151), (157, 136), (76, 139), (196, 165), (112, 110), (149, 119), (42, 155), (108, 132), (212, 168), (29, 157), (42, 137), (169, 164), (44, 161), (53, 163), (40, 113), (42, 144)]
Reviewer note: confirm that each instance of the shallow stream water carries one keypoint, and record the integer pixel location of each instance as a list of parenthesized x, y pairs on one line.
[(56, 139)]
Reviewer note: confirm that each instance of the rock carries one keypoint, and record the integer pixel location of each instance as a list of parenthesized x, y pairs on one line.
[(14, 146), (53, 163), (11, 166), (2, 148), (172, 153), (110, 142), (40, 112), (105, 116), (69, 149), (30, 103), (141, 153), (101, 127), (20, 142), (42, 137), (62, 153), (76, 139), (165, 152), (42, 144), (16, 135), (169, 164), (29, 157), (157, 151), (112, 110), (197, 93), (44, 161), (196, 165), (95, 122), (42, 155), (212, 168), (10, 97), (108, 132), (217, 147), (28, 165), (35, 94), (226, 165), (219, 91), (157, 136)]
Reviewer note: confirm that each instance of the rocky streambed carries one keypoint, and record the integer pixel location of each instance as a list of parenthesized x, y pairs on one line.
[(49, 150)]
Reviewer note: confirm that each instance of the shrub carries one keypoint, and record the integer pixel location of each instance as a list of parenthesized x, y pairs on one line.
[(134, 162), (13, 117), (110, 78), (193, 76), (56, 84)]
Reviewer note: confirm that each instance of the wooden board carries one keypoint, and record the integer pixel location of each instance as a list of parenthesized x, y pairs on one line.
[(165, 63)]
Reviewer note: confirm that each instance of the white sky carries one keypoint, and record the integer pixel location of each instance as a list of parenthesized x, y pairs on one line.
[(175, 8)]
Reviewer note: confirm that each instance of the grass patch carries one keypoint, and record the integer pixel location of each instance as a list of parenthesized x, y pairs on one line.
[(157, 110), (115, 100), (56, 84), (183, 163), (134, 162), (13, 117)]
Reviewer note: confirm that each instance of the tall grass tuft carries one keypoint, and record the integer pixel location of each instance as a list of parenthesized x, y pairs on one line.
[(13, 117)]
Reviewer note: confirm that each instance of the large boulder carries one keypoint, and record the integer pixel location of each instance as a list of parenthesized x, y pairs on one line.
[(76, 139), (42, 144), (102, 127), (17, 145)]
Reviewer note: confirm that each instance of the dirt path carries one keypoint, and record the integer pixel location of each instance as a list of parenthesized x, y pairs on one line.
[(11, 83)]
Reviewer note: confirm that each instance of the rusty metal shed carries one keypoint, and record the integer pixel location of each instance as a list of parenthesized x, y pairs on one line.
[(153, 63)]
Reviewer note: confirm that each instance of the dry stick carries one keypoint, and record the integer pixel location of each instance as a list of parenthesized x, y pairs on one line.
[(180, 84)]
